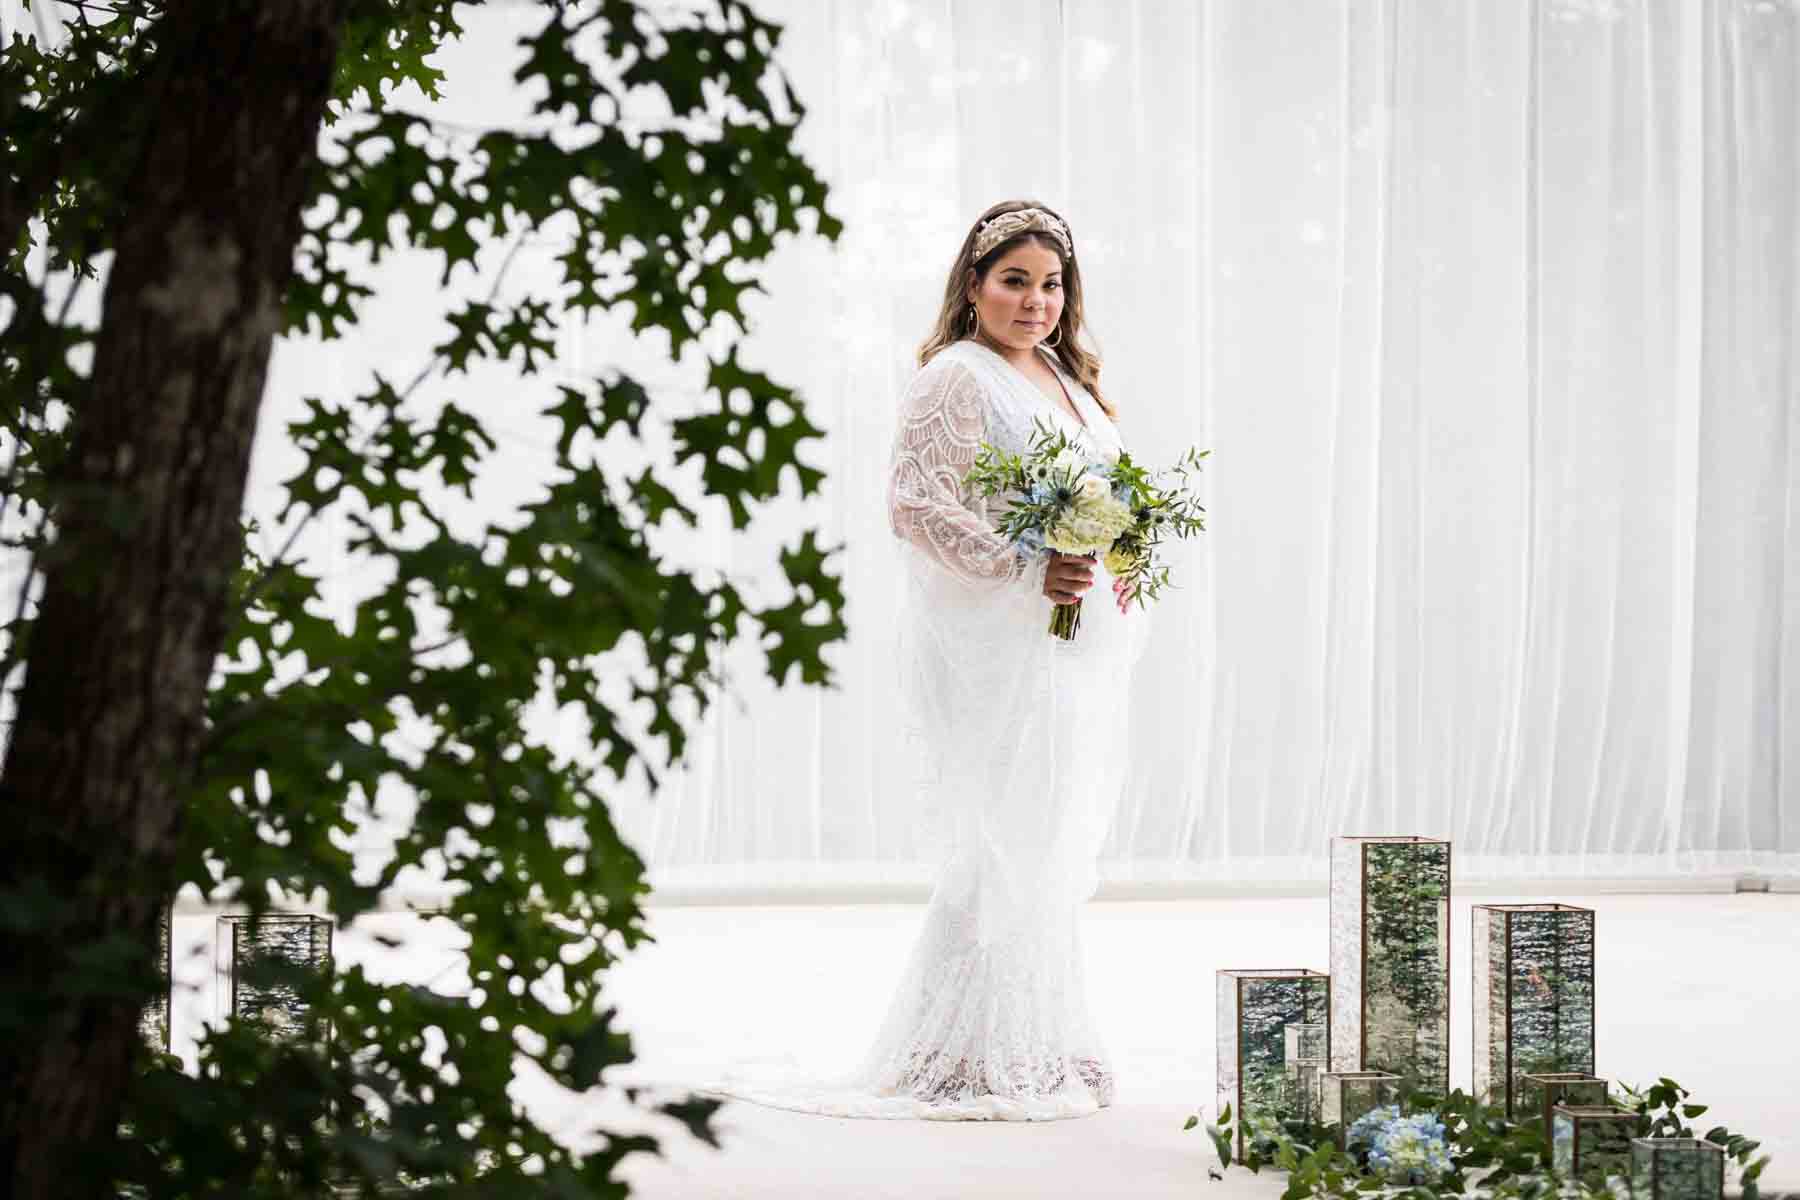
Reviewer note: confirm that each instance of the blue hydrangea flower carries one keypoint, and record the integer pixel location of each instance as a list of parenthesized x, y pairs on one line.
[(1403, 1150)]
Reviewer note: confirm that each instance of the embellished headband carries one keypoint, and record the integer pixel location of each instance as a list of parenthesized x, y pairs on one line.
[(1018, 221)]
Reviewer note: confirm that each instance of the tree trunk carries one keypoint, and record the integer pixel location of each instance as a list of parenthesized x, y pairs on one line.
[(146, 513)]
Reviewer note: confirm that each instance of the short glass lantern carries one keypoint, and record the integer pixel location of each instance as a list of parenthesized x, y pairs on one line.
[(1345, 1096), (1256, 1013), (1677, 1169), (1589, 1140), (1540, 1094), (298, 940), (1390, 957), (1305, 1058), (1533, 997)]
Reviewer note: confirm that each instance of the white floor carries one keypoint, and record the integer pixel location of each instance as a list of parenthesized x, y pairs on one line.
[(1704, 989)]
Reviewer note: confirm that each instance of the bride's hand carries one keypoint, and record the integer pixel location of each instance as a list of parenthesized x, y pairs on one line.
[(1124, 594), (1067, 577)]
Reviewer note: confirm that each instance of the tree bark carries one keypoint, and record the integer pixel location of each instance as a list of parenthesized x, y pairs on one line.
[(146, 514)]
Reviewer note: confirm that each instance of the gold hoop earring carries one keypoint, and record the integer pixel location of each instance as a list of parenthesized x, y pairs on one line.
[(1058, 341), (974, 322)]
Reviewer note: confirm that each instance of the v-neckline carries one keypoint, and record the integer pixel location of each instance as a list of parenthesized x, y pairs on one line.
[(1074, 410)]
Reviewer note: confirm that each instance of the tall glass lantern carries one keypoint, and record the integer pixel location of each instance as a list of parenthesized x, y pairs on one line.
[(1261, 1014), (1390, 957), (1532, 998)]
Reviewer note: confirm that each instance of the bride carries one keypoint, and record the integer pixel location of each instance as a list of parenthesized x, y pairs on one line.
[(1022, 732)]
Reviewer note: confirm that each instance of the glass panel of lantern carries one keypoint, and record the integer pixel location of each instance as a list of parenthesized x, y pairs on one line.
[(1533, 997), (153, 1022), (262, 957), (1390, 957), (1255, 1011), (1677, 1169), (1303, 1060), (1540, 1094), (1591, 1141), (1346, 1096)]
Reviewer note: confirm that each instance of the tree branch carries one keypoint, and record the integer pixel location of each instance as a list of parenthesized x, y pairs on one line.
[(281, 561)]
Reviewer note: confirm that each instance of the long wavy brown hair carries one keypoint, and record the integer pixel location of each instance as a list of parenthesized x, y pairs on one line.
[(953, 318)]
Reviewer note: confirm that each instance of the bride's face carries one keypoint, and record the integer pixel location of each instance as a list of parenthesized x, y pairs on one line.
[(1021, 299)]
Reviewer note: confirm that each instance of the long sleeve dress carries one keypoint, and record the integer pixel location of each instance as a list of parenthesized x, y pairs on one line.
[(1022, 736)]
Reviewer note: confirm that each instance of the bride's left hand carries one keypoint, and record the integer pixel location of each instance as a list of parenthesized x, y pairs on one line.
[(1123, 594)]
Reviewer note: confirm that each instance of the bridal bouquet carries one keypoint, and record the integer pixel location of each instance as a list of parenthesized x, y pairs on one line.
[(1071, 505)]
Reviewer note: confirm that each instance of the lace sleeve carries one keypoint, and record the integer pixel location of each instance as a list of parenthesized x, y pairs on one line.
[(942, 424)]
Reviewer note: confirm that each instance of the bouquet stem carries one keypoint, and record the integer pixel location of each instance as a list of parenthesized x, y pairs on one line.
[(1065, 619)]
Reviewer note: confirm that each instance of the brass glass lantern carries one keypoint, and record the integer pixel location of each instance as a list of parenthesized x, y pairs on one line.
[(1540, 1094), (1346, 1096), (1589, 1140), (1533, 997), (294, 940), (1390, 957), (1302, 1061), (1260, 1015), (1677, 1169)]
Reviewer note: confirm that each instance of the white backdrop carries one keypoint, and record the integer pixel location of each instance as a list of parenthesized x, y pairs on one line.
[(1488, 313)]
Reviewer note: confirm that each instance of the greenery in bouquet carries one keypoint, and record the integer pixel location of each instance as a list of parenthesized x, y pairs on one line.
[(1064, 502), (1430, 1146)]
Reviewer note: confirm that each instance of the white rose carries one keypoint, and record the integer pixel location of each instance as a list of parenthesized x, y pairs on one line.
[(1092, 489)]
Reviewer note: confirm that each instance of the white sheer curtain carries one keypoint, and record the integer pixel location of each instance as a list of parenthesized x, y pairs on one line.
[(1488, 314)]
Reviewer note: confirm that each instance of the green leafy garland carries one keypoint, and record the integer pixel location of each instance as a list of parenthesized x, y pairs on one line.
[(1490, 1154)]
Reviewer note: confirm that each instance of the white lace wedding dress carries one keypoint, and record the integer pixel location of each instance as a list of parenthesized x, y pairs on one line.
[(1022, 748)]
